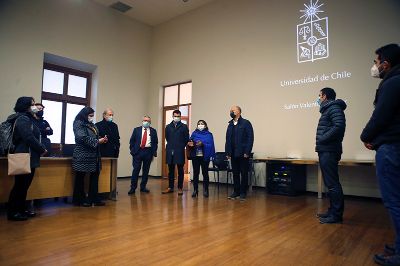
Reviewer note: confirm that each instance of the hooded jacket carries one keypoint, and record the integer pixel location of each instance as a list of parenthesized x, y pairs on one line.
[(331, 126)]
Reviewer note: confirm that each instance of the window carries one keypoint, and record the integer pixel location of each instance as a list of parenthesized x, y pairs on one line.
[(65, 92)]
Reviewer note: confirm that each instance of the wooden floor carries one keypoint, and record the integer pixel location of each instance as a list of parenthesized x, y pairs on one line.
[(148, 229)]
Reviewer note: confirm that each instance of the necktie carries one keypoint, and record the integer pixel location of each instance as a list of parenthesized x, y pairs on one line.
[(144, 139)]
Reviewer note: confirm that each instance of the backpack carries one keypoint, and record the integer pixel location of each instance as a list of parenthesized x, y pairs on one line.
[(6, 134)]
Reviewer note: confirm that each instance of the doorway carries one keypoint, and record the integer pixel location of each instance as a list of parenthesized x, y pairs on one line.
[(176, 96)]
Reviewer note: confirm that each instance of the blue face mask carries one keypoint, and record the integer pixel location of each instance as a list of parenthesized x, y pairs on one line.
[(318, 101), (146, 124)]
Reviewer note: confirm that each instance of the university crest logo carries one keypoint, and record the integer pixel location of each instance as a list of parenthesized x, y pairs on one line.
[(312, 34)]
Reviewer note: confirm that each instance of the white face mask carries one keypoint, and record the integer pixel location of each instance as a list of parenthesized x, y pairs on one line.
[(201, 127), (110, 118), (34, 109), (90, 119), (375, 71), (177, 119)]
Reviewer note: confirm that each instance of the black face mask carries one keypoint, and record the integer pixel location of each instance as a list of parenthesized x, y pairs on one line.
[(40, 113), (232, 114)]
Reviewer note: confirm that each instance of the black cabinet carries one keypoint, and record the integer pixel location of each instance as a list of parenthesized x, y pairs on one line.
[(286, 179)]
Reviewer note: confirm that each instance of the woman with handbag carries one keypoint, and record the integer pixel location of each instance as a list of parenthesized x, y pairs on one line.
[(25, 139), (203, 150), (86, 158)]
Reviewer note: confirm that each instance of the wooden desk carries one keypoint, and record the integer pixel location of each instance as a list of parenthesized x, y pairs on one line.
[(315, 162), (54, 178)]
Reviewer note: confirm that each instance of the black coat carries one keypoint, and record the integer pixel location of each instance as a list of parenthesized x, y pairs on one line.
[(26, 137), (136, 140), (177, 138), (44, 132), (384, 124), (86, 156), (111, 148), (331, 126), (244, 138)]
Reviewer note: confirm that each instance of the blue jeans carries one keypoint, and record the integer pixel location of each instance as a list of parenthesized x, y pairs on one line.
[(388, 172), (328, 162)]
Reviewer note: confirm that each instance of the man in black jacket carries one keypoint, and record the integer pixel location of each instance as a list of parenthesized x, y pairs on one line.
[(177, 137), (382, 133), (110, 129), (44, 127), (238, 146), (330, 133)]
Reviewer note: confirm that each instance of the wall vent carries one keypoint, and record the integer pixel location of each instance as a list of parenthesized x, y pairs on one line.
[(121, 7)]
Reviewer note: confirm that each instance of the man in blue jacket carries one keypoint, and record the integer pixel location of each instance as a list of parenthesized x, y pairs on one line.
[(238, 146), (382, 133), (330, 133), (143, 146), (177, 137)]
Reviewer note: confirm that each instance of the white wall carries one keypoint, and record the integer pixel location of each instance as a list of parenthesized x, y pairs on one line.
[(83, 31), (238, 51)]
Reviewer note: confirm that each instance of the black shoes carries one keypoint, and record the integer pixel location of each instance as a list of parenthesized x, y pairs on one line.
[(242, 197), (233, 196), (389, 257), (17, 217), (205, 193), (389, 250), (167, 191), (145, 190), (387, 260), (331, 220), (131, 191), (30, 214), (195, 194), (322, 215)]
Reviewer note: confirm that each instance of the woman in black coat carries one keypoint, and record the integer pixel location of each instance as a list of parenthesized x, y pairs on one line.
[(86, 158), (26, 138)]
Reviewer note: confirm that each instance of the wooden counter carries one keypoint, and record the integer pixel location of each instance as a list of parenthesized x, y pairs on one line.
[(54, 178)]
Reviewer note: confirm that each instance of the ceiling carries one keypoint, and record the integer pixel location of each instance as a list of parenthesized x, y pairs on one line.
[(154, 12)]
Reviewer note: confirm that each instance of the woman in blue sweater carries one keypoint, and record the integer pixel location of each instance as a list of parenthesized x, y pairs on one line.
[(203, 150)]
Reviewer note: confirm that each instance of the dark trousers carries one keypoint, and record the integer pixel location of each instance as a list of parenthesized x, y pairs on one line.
[(388, 172), (328, 162), (171, 175), (143, 157), (79, 190), (197, 163), (17, 198), (240, 170)]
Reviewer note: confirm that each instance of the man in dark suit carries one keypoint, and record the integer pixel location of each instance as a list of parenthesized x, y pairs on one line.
[(108, 128), (177, 136), (238, 146), (143, 146)]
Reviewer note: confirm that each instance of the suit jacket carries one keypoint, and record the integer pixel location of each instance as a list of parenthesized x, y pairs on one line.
[(111, 148), (244, 138), (177, 138), (136, 140)]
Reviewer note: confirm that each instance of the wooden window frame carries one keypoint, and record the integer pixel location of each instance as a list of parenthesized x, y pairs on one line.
[(65, 98)]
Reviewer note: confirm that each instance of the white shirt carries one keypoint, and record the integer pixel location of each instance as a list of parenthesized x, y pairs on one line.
[(148, 141)]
